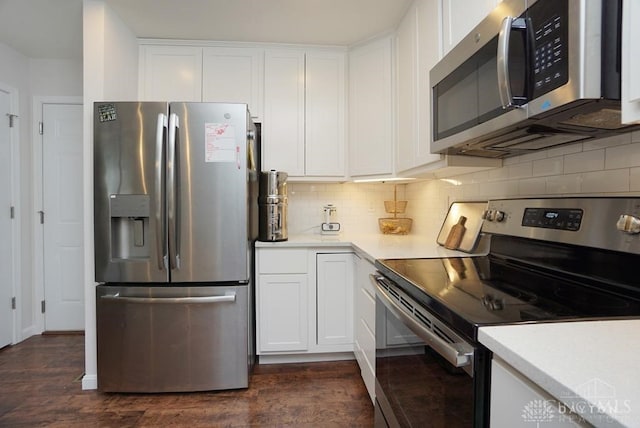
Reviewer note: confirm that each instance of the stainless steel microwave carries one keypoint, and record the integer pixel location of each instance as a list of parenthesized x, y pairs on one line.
[(534, 74)]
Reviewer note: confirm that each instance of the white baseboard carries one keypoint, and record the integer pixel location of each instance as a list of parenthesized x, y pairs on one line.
[(305, 358), (89, 382), (28, 332)]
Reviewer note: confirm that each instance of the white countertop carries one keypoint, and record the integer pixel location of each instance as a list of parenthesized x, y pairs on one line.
[(592, 366), (372, 246)]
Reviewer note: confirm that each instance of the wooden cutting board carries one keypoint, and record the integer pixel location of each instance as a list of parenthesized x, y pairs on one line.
[(473, 212)]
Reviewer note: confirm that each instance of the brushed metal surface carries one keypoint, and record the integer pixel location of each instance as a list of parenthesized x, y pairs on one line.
[(213, 232), (597, 229), (213, 199), (124, 160), (172, 345)]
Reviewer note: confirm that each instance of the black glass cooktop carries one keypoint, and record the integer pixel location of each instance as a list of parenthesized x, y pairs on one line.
[(471, 292)]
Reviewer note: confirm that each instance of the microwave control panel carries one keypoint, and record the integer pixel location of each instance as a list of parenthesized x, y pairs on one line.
[(550, 28)]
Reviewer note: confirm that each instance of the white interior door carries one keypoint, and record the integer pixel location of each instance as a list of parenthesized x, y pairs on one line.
[(63, 217), (6, 241)]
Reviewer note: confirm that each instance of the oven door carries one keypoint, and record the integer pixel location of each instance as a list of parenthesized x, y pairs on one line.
[(426, 374)]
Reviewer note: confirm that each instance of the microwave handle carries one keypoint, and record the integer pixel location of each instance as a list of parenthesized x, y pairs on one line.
[(504, 39)]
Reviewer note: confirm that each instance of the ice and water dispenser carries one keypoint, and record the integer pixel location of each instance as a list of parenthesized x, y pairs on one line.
[(129, 226)]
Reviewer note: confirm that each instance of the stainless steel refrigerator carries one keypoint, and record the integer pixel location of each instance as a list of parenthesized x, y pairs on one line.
[(175, 201)]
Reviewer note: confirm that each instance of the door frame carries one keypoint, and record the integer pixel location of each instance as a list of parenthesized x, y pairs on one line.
[(38, 198), (16, 259)]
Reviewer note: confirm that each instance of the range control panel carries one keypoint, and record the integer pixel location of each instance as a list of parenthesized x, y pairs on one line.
[(563, 219)]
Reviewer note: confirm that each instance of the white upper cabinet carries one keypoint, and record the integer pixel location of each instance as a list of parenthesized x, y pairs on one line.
[(630, 62), (283, 130), (325, 105), (459, 17), (304, 113), (170, 73), (233, 75), (371, 109), (418, 51), (208, 73)]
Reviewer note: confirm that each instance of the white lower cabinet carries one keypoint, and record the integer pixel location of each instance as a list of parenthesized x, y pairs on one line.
[(304, 304), (284, 298), (517, 401)]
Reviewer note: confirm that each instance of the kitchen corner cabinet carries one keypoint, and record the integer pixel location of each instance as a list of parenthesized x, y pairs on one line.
[(516, 400), (304, 113), (304, 304), (459, 17), (630, 62), (202, 73), (371, 109)]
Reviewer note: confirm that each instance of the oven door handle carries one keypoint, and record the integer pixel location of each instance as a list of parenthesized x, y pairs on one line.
[(452, 352)]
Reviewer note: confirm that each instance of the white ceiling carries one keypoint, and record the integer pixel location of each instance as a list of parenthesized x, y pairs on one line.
[(53, 28)]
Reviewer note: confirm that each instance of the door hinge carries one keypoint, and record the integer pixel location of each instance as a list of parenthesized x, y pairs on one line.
[(41, 216), (42, 307), (12, 118), (12, 212), (13, 303), (41, 128)]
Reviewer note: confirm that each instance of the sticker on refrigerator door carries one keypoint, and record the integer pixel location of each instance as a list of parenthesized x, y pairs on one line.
[(220, 142), (107, 112)]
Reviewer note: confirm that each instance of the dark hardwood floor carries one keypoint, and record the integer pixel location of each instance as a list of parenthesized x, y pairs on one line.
[(40, 385)]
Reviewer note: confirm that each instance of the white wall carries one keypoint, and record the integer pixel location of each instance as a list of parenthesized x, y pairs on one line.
[(33, 77), (606, 167), (110, 58)]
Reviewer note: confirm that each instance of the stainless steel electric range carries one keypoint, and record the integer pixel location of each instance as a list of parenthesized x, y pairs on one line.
[(550, 260)]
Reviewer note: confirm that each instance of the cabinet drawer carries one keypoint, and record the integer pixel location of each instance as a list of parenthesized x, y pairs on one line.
[(282, 260), (367, 306), (367, 343)]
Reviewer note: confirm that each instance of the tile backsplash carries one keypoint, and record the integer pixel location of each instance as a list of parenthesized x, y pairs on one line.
[(609, 166)]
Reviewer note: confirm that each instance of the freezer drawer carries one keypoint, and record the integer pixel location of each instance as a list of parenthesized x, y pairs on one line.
[(169, 339)]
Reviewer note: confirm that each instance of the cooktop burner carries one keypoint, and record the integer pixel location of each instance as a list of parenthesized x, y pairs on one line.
[(478, 291)]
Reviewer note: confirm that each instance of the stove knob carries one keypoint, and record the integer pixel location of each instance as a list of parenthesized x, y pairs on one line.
[(490, 215), (499, 216), (485, 214), (629, 224)]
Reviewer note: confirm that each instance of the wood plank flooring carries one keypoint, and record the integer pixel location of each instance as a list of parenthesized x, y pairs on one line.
[(40, 386)]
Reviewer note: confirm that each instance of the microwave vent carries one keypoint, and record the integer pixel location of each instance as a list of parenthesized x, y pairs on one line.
[(605, 118), (541, 141)]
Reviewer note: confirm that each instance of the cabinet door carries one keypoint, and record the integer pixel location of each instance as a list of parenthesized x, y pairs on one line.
[(170, 73), (416, 55), (233, 75), (516, 400), (407, 57), (283, 131), (371, 109), (630, 62), (335, 299), (459, 17), (324, 114), (282, 313)]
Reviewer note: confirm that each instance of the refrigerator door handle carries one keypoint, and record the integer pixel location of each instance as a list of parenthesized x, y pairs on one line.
[(172, 207), (229, 297), (161, 250)]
